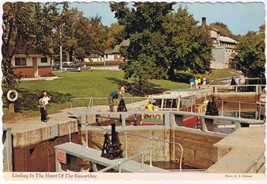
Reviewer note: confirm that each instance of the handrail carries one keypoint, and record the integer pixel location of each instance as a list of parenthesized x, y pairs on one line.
[(150, 139), (255, 162), (159, 140), (125, 160), (91, 100)]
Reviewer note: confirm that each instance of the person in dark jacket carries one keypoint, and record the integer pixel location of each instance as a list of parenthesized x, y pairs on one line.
[(113, 95)]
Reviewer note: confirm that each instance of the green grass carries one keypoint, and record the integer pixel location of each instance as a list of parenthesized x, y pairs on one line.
[(220, 73), (86, 84)]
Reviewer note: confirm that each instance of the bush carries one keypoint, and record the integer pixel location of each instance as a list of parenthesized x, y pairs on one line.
[(107, 63)]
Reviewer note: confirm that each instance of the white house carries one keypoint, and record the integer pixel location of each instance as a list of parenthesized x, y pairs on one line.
[(223, 49)]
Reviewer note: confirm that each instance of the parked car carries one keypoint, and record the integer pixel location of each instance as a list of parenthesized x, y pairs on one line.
[(56, 67), (70, 66)]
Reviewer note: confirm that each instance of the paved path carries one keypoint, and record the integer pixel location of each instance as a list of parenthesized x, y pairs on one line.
[(62, 117), (40, 78), (237, 151)]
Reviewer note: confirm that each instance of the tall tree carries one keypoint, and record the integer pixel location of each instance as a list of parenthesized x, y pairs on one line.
[(143, 25), (250, 58), (115, 35), (162, 41), (189, 46), (28, 26), (91, 36)]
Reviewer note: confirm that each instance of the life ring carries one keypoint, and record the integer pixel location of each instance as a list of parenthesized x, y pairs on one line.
[(12, 95)]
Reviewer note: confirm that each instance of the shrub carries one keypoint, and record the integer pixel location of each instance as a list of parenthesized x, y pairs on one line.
[(107, 63)]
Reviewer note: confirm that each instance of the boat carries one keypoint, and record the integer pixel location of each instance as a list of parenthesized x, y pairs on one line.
[(176, 100)]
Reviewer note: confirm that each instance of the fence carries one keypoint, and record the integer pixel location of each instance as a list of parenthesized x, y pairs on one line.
[(217, 89)]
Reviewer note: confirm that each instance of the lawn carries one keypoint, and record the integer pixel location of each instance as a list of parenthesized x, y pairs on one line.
[(75, 88)]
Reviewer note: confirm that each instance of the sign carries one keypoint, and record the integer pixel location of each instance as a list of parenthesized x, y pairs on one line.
[(61, 156)]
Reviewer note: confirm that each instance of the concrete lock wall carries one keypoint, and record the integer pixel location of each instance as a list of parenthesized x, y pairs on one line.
[(39, 157), (198, 147), (160, 150)]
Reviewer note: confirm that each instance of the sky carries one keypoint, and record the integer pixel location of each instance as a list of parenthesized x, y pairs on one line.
[(240, 17)]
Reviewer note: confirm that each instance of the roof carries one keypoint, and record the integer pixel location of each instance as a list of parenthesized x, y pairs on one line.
[(124, 43), (108, 51), (23, 50), (93, 56), (227, 39), (116, 49), (217, 30)]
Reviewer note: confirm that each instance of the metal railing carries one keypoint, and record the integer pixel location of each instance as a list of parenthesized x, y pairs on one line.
[(255, 163), (217, 89), (105, 129), (238, 107), (89, 102), (119, 164), (150, 146)]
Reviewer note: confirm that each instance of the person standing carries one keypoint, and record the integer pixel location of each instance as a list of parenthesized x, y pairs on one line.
[(191, 82), (199, 81), (46, 99), (122, 91), (150, 107), (42, 109), (113, 95), (204, 81), (196, 83)]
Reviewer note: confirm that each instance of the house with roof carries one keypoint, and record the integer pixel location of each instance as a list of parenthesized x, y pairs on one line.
[(31, 64), (109, 54), (117, 48), (223, 49), (94, 58)]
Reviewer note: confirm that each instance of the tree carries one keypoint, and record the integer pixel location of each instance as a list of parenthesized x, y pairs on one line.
[(28, 26), (161, 41), (115, 35), (187, 50), (143, 25), (250, 58)]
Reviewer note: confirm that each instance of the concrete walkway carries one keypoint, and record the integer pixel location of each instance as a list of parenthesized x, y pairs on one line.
[(239, 150), (31, 130), (40, 78)]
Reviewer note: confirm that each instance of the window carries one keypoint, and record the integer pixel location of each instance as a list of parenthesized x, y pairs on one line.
[(20, 61), (44, 60)]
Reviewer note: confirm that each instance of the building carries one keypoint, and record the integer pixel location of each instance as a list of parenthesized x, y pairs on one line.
[(31, 64), (94, 58), (223, 48), (109, 54)]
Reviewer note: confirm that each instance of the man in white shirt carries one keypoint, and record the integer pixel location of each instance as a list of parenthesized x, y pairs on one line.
[(46, 99)]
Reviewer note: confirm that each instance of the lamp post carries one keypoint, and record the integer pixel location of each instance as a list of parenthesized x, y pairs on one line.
[(60, 45), (60, 48)]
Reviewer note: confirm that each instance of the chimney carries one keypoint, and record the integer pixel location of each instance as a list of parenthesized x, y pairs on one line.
[(203, 22)]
